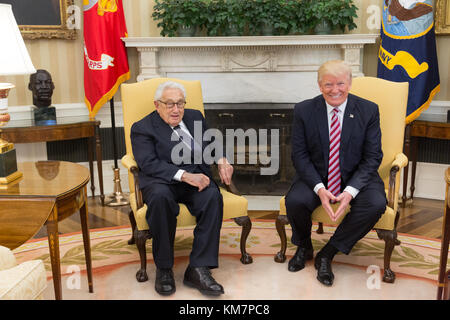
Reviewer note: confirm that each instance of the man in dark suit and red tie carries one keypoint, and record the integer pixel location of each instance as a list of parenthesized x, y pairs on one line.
[(165, 182), (336, 151)]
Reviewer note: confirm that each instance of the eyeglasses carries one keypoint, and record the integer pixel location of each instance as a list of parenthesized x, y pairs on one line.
[(171, 105)]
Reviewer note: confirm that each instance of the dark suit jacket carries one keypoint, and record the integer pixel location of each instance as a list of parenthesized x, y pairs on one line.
[(152, 148), (360, 151)]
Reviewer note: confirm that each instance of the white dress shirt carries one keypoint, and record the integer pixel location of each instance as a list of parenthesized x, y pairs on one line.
[(353, 191)]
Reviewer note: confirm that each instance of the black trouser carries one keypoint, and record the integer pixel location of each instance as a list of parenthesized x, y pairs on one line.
[(366, 209), (207, 206)]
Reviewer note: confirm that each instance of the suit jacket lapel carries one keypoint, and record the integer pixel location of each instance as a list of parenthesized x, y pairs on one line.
[(322, 124), (348, 125), (189, 122), (165, 131)]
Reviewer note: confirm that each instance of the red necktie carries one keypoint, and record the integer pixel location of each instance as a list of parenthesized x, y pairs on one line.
[(334, 172)]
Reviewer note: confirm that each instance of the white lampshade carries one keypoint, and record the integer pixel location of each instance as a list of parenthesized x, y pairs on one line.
[(14, 58)]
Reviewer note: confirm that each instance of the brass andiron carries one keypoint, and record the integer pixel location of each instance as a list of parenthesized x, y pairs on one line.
[(117, 197)]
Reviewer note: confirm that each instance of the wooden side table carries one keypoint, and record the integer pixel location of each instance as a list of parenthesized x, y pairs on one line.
[(443, 286), (428, 126), (67, 128), (48, 192)]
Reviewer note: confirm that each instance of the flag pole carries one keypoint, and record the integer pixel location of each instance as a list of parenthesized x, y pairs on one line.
[(117, 197)]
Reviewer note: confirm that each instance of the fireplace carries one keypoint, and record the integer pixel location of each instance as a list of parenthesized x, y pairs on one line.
[(251, 83)]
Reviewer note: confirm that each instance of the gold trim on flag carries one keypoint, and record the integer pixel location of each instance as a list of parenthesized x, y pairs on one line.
[(107, 96), (413, 116), (407, 37)]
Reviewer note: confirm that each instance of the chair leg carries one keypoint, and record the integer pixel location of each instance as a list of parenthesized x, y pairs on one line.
[(246, 225), (280, 222), (133, 227), (390, 239), (320, 228), (141, 238)]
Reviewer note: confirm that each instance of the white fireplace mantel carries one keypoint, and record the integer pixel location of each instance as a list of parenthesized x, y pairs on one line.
[(279, 69)]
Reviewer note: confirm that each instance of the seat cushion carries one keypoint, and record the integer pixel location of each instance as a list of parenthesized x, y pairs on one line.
[(233, 206), (386, 221), (26, 281), (7, 259)]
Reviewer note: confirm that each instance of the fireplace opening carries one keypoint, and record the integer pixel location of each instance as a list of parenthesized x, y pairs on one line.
[(272, 125)]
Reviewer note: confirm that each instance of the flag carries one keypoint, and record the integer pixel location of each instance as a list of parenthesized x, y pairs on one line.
[(105, 63), (408, 51)]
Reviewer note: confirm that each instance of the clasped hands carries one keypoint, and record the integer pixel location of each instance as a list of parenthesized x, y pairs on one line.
[(201, 181), (326, 197)]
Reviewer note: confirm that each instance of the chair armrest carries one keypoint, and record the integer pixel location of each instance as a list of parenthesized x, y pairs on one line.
[(231, 188), (399, 162), (129, 163)]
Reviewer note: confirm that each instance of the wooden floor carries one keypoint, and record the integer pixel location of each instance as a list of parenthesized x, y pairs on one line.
[(421, 217)]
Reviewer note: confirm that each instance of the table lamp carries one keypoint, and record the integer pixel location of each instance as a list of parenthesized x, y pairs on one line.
[(14, 60)]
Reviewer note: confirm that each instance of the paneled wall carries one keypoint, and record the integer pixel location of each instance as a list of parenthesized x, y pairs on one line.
[(64, 58)]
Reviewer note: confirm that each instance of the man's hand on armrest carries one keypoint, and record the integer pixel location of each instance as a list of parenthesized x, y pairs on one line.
[(225, 171)]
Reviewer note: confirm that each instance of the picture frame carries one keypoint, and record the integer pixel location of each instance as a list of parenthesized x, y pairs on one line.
[(442, 17), (43, 19)]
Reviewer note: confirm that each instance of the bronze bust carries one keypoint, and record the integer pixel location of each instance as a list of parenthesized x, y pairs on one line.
[(42, 86)]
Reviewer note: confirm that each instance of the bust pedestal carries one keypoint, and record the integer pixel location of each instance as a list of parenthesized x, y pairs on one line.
[(44, 115)]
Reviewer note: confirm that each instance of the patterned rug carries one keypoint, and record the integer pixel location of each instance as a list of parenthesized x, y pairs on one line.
[(415, 259)]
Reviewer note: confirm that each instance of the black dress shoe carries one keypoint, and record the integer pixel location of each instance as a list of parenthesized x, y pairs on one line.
[(297, 262), (201, 279), (164, 282), (324, 273)]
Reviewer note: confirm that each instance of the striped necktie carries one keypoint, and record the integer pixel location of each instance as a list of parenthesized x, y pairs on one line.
[(334, 172), (193, 145)]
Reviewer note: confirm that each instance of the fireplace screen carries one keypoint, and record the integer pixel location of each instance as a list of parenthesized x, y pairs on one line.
[(259, 141)]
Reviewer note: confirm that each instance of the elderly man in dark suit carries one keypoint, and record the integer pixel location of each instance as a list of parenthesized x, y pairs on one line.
[(165, 181), (336, 151)]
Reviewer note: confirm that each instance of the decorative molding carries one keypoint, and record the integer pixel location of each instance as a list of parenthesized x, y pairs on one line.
[(185, 42), (249, 60)]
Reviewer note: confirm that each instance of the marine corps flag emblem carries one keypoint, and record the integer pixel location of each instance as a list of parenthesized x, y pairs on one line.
[(408, 51), (105, 56)]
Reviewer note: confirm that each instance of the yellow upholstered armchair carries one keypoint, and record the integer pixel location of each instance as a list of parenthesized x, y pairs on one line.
[(391, 98), (137, 102)]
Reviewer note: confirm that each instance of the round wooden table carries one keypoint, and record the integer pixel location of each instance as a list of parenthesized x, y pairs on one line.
[(48, 192)]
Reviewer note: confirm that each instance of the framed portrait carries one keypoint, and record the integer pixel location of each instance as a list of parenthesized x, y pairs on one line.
[(43, 19), (442, 18)]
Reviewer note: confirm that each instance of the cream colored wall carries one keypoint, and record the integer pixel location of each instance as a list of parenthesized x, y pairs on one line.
[(64, 58)]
